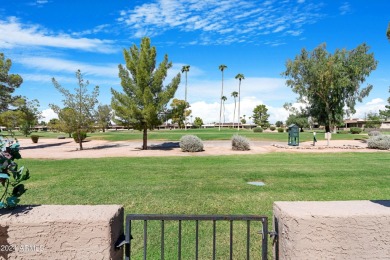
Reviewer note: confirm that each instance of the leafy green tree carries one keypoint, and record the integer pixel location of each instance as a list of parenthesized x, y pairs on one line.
[(198, 122), (279, 123), (29, 112), (373, 120), (234, 95), (8, 83), (103, 116), (54, 124), (328, 83), (185, 69), (221, 67), (260, 116), (11, 119), (298, 119), (240, 77), (145, 96), (385, 114), (81, 104), (179, 111)]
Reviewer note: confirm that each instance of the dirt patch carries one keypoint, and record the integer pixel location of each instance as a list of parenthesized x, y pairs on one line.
[(67, 148)]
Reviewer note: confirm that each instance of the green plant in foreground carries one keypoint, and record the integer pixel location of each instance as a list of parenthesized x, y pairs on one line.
[(11, 176)]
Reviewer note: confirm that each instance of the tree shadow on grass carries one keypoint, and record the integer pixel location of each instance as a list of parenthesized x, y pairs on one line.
[(41, 146)]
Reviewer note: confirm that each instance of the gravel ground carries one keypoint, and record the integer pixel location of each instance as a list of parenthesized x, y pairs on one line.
[(67, 148)]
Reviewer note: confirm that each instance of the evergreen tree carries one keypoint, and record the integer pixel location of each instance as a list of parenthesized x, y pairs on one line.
[(144, 96)]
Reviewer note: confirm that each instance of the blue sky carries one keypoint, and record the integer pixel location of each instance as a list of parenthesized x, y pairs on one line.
[(53, 38)]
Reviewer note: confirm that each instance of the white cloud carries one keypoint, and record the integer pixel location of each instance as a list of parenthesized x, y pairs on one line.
[(15, 34), (48, 114), (209, 112), (220, 22), (62, 65), (345, 8), (372, 106)]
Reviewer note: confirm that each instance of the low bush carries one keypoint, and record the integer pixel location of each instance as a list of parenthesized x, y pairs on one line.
[(355, 130), (257, 130), (240, 143), (381, 142), (343, 132), (374, 133), (280, 129), (34, 138), (272, 128), (75, 136), (191, 143)]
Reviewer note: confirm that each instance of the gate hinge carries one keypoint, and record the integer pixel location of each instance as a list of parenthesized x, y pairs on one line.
[(121, 241)]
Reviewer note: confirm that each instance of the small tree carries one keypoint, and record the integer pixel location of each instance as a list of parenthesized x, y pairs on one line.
[(103, 116), (81, 105), (279, 123), (145, 96), (373, 120), (198, 122), (260, 116), (179, 112)]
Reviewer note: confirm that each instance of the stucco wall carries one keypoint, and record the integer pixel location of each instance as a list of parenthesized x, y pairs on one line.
[(61, 232), (333, 230)]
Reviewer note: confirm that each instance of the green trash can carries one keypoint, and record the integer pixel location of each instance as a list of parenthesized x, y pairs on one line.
[(293, 135)]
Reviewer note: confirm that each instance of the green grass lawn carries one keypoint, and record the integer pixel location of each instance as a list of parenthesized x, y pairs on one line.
[(209, 185)]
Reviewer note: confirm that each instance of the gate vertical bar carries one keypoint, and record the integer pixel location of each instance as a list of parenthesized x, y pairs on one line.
[(162, 239), (231, 239), (214, 242), (179, 244), (196, 239), (248, 241), (128, 239), (264, 247), (145, 238)]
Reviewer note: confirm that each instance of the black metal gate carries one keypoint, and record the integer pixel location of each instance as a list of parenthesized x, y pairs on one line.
[(251, 247)]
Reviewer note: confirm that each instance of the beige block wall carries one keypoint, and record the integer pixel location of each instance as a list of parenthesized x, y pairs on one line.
[(61, 232), (333, 230)]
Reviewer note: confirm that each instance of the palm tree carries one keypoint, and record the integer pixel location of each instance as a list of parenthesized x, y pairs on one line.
[(185, 68), (239, 76), (234, 95), (223, 102), (221, 67)]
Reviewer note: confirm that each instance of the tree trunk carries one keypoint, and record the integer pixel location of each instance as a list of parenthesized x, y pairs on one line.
[(327, 128), (145, 139), (80, 141)]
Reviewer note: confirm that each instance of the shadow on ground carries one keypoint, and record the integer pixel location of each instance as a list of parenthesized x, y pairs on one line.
[(40, 146), (165, 146)]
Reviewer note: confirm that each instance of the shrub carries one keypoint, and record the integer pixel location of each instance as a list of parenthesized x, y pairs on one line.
[(374, 133), (191, 143), (75, 136), (272, 128), (381, 142), (343, 132), (34, 138), (240, 143), (280, 129), (355, 130), (11, 175), (257, 130)]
